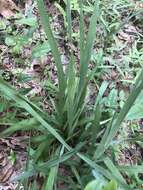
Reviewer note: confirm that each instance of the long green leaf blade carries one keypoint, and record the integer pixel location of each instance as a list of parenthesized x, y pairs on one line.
[(89, 45), (51, 178), (46, 24)]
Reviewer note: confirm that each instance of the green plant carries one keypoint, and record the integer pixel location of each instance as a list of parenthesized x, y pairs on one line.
[(94, 185), (70, 137)]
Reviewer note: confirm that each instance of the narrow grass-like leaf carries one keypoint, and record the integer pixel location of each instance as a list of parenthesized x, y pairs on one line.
[(134, 169), (53, 173), (77, 175), (95, 166), (26, 124), (101, 92), (115, 172), (24, 175), (51, 178), (96, 123), (46, 24), (71, 91), (82, 35), (89, 45), (97, 111), (40, 138), (69, 20), (86, 55), (62, 11)]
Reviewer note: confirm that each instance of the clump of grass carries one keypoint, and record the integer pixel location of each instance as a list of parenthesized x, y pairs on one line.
[(69, 138)]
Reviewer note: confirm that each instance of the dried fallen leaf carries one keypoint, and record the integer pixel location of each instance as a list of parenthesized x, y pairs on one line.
[(130, 29), (125, 37), (139, 5), (7, 8), (6, 168)]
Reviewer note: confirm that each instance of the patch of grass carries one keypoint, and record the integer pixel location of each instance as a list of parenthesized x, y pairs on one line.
[(75, 141)]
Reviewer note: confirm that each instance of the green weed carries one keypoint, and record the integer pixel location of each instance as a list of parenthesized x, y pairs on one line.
[(75, 138)]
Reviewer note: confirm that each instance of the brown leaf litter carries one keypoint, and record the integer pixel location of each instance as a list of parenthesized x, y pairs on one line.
[(7, 8), (12, 159)]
